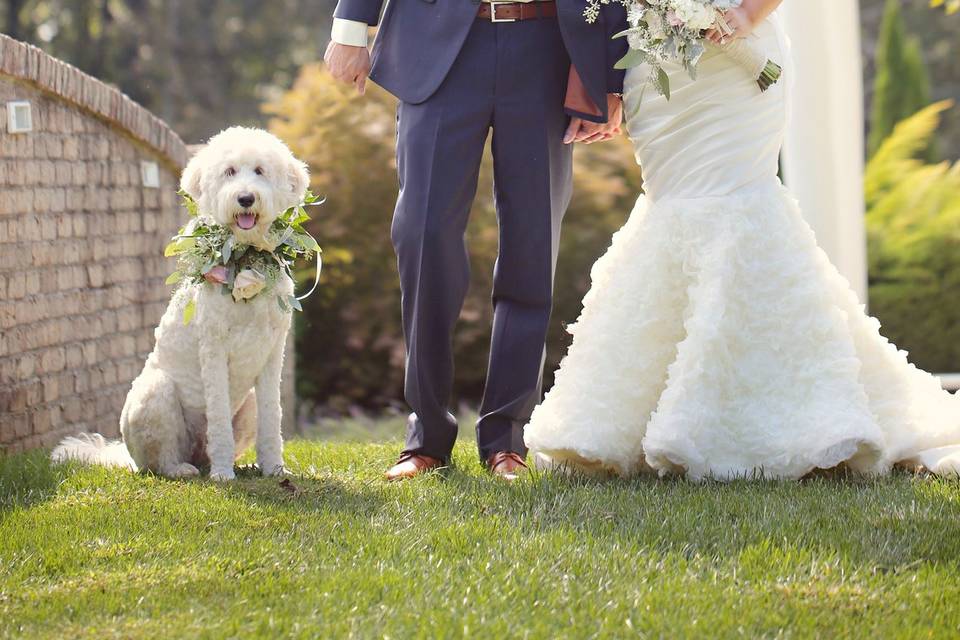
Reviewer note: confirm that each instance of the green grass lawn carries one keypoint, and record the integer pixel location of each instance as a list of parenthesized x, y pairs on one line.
[(86, 552)]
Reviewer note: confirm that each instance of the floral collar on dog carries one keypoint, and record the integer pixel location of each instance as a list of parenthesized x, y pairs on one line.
[(208, 252)]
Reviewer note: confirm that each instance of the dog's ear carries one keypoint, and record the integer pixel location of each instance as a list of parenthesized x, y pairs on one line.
[(192, 175), (299, 177)]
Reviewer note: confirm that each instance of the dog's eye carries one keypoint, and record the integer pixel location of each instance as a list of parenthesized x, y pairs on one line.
[(230, 172), (258, 171)]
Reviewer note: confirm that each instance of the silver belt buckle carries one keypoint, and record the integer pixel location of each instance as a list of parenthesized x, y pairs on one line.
[(493, 12)]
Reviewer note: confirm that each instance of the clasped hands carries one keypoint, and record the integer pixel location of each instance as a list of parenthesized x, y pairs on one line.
[(587, 132)]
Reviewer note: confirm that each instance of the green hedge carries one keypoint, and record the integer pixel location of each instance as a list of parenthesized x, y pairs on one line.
[(913, 225)]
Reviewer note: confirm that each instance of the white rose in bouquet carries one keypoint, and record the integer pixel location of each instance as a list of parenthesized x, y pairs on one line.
[(656, 27), (247, 284), (694, 14)]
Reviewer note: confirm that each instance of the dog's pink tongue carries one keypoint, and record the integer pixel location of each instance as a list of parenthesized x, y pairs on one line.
[(246, 221)]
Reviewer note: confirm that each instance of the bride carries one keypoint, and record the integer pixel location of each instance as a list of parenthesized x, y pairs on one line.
[(718, 341)]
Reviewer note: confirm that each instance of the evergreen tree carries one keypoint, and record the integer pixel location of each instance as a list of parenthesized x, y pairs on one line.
[(902, 85)]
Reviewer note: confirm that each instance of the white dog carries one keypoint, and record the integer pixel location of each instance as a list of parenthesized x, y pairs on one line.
[(212, 387)]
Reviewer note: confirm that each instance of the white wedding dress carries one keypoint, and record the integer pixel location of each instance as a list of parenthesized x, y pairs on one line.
[(718, 341)]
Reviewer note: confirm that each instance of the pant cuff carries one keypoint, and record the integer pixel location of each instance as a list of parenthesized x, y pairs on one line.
[(494, 437)]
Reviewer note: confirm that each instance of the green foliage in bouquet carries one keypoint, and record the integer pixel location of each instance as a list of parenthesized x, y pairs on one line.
[(913, 227), (202, 245)]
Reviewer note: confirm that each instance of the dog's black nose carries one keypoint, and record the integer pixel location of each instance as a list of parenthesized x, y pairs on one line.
[(246, 200)]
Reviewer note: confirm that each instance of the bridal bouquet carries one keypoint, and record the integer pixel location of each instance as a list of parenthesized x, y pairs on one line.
[(664, 31)]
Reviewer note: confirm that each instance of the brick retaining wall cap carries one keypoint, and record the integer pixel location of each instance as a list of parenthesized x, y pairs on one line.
[(29, 64)]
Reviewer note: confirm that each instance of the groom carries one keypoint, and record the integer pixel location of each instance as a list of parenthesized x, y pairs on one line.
[(541, 78)]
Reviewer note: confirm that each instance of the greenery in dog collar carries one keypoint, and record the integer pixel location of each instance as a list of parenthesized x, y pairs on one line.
[(208, 252)]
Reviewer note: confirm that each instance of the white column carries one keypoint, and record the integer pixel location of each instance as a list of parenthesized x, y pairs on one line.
[(823, 155)]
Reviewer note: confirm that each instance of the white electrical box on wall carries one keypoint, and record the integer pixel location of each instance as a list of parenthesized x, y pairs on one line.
[(19, 117), (150, 174)]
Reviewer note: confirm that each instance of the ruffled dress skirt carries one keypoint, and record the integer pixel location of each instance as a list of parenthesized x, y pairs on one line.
[(718, 341)]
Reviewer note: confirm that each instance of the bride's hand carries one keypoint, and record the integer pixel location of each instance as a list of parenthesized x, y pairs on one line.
[(736, 23), (740, 22)]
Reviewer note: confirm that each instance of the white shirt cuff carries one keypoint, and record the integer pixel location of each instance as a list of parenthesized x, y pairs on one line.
[(349, 32)]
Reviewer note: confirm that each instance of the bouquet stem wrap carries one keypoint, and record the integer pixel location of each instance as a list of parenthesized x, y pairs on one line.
[(754, 60)]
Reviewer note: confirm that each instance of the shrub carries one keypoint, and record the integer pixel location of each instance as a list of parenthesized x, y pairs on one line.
[(902, 85), (913, 227)]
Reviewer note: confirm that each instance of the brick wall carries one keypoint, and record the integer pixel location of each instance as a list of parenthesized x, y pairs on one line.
[(81, 264)]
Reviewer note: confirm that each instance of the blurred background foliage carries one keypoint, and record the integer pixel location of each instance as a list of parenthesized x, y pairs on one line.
[(895, 78), (913, 231), (902, 84), (198, 64), (202, 65), (913, 201)]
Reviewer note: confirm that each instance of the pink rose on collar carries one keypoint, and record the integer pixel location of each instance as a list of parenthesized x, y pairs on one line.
[(217, 275)]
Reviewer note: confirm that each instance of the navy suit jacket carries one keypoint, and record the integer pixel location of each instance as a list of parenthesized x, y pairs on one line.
[(418, 41)]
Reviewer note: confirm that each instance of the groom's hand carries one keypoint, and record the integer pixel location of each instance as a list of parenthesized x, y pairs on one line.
[(581, 130), (349, 64)]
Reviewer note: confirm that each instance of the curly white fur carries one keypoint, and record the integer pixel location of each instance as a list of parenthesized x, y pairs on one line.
[(211, 388)]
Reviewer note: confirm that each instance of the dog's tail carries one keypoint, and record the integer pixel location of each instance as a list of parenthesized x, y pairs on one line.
[(93, 448)]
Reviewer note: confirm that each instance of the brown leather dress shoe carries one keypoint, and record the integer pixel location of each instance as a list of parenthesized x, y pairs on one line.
[(412, 465), (506, 465)]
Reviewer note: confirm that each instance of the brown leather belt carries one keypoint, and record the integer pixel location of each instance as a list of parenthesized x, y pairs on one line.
[(514, 11)]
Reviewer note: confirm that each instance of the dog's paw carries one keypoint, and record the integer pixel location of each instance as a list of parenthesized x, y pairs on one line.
[(182, 470), (273, 470), (222, 475)]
